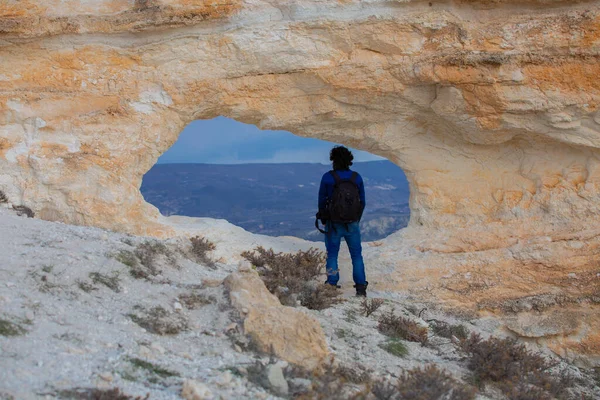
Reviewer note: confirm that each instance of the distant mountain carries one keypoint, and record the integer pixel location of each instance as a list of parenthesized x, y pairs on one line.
[(274, 199)]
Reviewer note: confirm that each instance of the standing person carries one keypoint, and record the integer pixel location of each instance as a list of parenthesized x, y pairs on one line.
[(341, 205)]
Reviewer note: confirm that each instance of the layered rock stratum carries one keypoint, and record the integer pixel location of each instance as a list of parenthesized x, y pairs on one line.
[(490, 107)]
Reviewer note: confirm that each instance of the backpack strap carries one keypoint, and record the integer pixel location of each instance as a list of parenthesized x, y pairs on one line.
[(354, 177), (335, 176)]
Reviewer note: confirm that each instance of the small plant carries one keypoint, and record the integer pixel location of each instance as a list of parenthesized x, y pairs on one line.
[(423, 384), (509, 364), (152, 368), (369, 306), (402, 328), (194, 301), (148, 253), (159, 321), (3, 198), (111, 282), (287, 274), (395, 347), (24, 210), (319, 297), (127, 258), (350, 316), (95, 394), (8, 328), (448, 331), (200, 247), (86, 286)]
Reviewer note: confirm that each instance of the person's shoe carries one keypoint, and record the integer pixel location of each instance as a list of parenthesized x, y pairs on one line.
[(361, 290), (331, 284)]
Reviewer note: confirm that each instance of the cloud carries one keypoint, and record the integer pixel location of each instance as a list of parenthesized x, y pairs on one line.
[(225, 141)]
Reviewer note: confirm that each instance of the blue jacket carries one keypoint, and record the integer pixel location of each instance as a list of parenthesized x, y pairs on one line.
[(328, 182)]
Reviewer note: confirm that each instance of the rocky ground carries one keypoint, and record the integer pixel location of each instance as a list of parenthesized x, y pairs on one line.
[(84, 309)]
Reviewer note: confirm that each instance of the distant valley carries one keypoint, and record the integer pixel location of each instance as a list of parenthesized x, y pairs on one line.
[(274, 199)]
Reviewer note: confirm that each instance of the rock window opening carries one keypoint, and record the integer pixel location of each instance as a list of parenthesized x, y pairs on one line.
[(266, 182)]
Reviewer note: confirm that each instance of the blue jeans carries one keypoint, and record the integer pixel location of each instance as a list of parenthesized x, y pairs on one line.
[(333, 238)]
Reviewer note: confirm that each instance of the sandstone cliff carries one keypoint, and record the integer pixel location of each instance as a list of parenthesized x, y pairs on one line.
[(490, 107)]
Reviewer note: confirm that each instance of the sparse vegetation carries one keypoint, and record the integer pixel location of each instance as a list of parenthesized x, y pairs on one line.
[(24, 210), (518, 372), (200, 247), (152, 368), (96, 394), (149, 253), (111, 282), (319, 297), (143, 261), (127, 258), (292, 276), (9, 328), (159, 321), (194, 301), (3, 198), (447, 330), (402, 328), (423, 384), (395, 347), (369, 306), (86, 286)]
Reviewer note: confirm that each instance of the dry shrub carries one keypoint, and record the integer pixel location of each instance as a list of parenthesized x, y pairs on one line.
[(96, 394), (332, 382), (159, 321), (369, 306), (111, 282), (193, 301), (3, 198), (292, 276), (149, 253), (319, 297), (423, 384), (402, 328), (201, 246), (24, 210), (518, 372), (447, 330)]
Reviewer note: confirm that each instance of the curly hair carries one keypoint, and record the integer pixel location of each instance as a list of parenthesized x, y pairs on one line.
[(341, 157)]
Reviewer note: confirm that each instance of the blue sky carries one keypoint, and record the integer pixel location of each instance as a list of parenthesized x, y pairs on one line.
[(225, 141)]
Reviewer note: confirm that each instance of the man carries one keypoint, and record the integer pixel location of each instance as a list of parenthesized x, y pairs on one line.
[(341, 205)]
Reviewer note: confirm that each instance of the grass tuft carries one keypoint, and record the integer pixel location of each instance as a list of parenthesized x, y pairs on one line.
[(395, 347), (9, 328)]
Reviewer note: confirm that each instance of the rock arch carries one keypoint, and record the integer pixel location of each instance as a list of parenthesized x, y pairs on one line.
[(491, 108)]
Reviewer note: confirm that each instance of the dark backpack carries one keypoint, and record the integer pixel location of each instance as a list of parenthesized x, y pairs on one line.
[(344, 205)]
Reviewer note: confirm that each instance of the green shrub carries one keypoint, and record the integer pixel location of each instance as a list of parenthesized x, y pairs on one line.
[(395, 347)]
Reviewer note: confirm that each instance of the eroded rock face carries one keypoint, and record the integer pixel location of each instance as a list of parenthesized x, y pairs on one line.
[(287, 332), (490, 107)]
